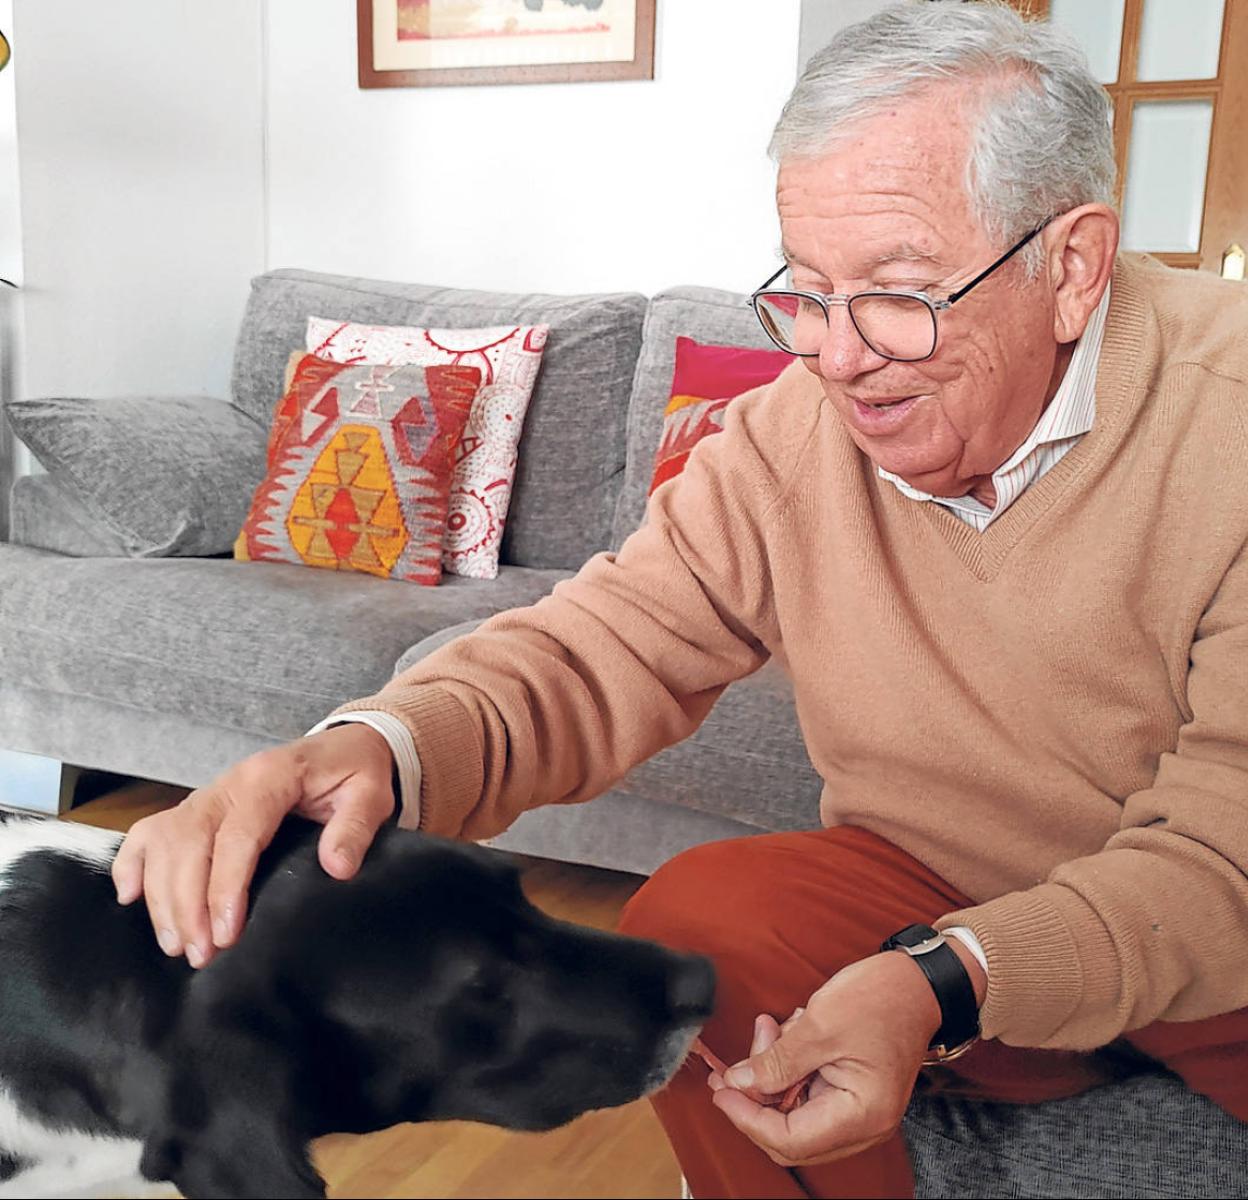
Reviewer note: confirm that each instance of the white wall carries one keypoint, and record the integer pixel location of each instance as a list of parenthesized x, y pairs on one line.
[(140, 130), (556, 187)]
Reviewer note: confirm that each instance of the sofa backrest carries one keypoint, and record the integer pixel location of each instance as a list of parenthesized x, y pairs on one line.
[(572, 451), (707, 315)]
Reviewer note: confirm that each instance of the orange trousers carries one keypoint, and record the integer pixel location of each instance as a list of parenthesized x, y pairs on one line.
[(779, 914)]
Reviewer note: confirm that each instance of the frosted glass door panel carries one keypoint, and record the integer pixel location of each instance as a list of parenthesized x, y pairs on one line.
[(1179, 39), (1097, 27), (1163, 205)]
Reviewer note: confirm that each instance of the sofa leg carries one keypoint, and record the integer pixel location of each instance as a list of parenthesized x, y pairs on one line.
[(32, 783)]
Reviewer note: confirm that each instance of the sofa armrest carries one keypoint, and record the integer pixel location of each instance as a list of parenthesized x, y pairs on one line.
[(137, 476)]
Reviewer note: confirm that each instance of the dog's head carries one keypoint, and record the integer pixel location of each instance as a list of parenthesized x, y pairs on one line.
[(427, 988)]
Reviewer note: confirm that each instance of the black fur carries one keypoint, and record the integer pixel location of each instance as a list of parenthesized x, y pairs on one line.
[(427, 988)]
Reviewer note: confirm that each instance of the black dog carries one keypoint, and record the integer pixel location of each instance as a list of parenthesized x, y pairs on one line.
[(427, 988)]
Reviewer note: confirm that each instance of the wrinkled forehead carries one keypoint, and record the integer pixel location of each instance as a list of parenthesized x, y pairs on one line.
[(893, 186)]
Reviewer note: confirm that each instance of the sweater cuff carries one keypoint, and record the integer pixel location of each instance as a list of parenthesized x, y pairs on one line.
[(447, 744), (1053, 971)]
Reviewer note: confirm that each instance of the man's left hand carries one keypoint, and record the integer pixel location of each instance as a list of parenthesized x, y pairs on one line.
[(861, 1039)]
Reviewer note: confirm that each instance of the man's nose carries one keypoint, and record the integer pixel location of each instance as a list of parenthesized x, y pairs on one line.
[(843, 355)]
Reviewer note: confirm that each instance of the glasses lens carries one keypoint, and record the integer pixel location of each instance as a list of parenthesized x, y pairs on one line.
[(899, 327), (794, 322)]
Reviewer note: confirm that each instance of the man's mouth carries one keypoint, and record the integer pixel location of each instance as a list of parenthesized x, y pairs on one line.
[(882, 414)]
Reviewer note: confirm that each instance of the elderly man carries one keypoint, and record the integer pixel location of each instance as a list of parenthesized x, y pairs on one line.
[(993, 521)]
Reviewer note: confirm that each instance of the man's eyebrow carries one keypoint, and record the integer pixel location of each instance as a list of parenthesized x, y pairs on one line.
[(903, 253)]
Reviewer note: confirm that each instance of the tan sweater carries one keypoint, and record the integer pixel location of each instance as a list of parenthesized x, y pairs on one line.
[(1052, 714)]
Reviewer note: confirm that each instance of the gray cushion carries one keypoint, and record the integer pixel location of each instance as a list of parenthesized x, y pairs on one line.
[(165, 475), (1145, 1136), (746, 763), (265, 647), (705, 314), (572, 449), (46, 517)]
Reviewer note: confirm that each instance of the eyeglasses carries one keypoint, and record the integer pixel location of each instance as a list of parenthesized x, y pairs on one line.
[(896, 325)]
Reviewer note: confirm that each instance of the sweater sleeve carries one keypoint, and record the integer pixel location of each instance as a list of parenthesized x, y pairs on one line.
[(556, 702), (1142, 931)]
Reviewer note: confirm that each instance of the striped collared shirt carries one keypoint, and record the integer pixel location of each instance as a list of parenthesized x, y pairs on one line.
[(1066, 419)]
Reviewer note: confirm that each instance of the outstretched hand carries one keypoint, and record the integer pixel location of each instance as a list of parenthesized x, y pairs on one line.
[(194, 863)]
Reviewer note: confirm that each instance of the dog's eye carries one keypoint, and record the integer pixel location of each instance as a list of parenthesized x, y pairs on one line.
[(484, 989)]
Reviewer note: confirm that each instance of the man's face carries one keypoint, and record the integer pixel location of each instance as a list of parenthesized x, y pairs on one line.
[(887, 208)]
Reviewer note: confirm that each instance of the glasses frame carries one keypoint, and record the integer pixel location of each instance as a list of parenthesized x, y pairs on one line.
[(827, 300)]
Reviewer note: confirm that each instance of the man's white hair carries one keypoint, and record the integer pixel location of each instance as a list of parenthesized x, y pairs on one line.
[(1042, 144)]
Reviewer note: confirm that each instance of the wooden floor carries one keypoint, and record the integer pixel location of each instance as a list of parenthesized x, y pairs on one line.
[(618, 1153)]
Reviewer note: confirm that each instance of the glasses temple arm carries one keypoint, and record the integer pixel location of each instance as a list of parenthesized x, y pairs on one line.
[(1014, 249)]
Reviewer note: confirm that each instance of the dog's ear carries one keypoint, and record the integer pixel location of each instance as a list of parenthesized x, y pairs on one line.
[(233, 1158), (231, 1123)]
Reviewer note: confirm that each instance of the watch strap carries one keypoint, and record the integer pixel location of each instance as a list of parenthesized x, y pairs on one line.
[(959, 1023)]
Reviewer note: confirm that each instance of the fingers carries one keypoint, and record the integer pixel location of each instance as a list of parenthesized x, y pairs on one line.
[(165, 858), (827, 1128), (351, 830), (235, 853), (127, 870), (786, 1059), (194, 863)]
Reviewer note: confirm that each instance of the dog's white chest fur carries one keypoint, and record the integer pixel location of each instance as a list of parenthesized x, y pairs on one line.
[(66, 1163)]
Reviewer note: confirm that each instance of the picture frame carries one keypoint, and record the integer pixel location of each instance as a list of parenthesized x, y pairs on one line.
[(436, 43)]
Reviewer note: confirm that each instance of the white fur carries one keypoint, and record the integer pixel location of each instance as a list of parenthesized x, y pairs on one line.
[(65, 1163), (95, 847)]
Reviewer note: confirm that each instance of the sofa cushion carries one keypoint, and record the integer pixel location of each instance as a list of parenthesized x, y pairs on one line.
[(572, 452), (166, 475), (264, 647), (704, 314), (746, 763)]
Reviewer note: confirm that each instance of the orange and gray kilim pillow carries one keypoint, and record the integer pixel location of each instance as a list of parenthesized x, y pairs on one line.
[(360, 461)]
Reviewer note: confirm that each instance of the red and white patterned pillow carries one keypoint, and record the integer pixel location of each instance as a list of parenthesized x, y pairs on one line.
[(508, 358)]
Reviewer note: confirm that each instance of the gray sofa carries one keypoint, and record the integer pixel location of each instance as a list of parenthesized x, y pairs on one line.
[(131, 642)]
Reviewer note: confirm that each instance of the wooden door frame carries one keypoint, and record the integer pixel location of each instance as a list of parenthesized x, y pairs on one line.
[(1226, 180)]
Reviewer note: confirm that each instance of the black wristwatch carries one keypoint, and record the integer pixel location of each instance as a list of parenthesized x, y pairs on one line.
[(959, 1014)]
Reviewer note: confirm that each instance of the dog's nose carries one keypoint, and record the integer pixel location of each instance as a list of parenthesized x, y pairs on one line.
[(691, 987)]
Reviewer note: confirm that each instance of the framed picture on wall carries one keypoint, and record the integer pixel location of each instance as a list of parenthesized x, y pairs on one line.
[(427, 43)]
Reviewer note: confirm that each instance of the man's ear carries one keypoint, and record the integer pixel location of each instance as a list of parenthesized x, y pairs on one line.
[(1082, 244)]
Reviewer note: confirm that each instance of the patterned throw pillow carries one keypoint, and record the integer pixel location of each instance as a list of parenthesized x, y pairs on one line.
[(359, 469), (706, 378), (508, 358)]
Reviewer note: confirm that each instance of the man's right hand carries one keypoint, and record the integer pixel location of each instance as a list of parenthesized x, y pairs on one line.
[(194, 863)]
